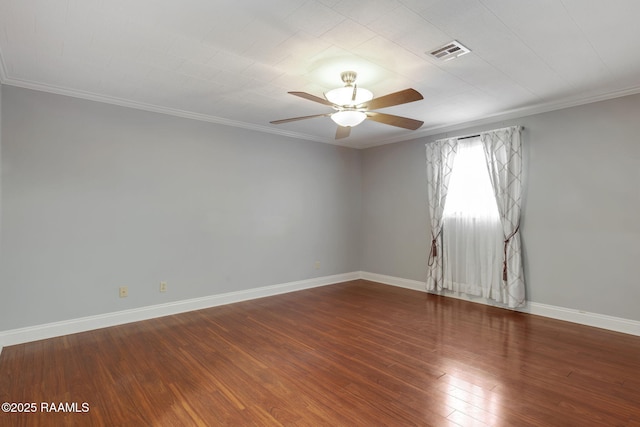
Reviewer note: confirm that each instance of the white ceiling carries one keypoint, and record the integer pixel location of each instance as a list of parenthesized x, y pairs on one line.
[(232, 61)]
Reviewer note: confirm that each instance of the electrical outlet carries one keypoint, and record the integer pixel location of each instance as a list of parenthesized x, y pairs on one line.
[(317, 265), (163, 286), (124, 291)]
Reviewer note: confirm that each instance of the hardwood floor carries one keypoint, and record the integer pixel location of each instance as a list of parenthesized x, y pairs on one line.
[(353, 354)]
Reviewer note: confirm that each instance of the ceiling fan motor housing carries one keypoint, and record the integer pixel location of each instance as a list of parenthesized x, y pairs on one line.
[(348, 77)]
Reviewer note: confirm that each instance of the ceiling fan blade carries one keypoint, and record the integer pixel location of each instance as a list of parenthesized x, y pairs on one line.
[(313, 98), (294, 119), (389, 119), (343, 132), (396, 98)]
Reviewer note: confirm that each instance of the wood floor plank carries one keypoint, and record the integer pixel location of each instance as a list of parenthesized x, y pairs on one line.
[(352, 354)]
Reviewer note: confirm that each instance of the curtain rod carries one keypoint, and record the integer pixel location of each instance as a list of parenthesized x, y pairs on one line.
[(478, 135)]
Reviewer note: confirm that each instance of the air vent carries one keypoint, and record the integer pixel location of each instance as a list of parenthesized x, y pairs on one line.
[(449, 51)]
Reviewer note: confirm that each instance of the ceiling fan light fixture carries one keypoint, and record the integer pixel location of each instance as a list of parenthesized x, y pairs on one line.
[(353, 105), (343, 96), (348, 118)]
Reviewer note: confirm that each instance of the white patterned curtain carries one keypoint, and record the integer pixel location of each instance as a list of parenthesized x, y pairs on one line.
[(440, 156), (503, 151)]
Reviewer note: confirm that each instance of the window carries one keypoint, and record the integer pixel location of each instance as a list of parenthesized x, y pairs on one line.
[(474, 250), (472, 232), (470, 193)]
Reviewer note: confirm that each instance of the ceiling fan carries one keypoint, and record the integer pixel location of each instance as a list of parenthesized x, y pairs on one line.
[(353, 105)]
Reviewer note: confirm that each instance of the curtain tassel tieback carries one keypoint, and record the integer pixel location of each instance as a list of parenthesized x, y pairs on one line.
[(506, 244), (433, 254)]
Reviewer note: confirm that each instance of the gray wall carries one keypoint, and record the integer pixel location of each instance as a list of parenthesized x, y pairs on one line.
[(1, 89), (96, 196), (580, 228)]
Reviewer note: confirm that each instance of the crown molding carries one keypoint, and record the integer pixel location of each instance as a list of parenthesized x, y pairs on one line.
[(515, 113), (357, 144), (155, 108)]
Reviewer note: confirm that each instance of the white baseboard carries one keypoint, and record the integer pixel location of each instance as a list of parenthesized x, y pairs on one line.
[(618, 324), (611, 323), (72, 326), (394, 281)]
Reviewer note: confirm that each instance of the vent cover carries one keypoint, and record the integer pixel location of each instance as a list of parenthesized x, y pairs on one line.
[(449, 51)]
